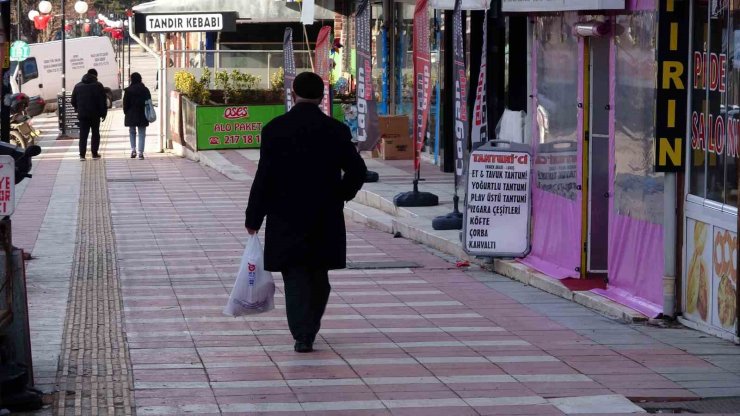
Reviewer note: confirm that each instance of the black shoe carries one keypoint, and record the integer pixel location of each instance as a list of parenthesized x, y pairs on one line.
[(141, 156), (82, 158), (96, 156), (302, 346), (133, 154)]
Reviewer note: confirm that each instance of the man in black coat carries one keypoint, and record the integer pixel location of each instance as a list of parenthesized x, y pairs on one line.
[(300, 188), (90, 103)]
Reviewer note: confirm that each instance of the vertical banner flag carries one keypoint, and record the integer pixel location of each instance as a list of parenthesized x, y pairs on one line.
[(480, 111), (323, 47), (422, 77), (460, 80), (289, 71), (368, 132)]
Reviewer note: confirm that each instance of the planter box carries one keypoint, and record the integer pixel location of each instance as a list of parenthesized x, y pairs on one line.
[(216, 127)]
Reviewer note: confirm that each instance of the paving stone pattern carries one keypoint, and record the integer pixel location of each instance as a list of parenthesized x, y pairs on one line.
[(94, 376), (158, 246)]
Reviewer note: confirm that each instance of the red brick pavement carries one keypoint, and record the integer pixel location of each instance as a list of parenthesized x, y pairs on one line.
[(31, 208), (430, 340)]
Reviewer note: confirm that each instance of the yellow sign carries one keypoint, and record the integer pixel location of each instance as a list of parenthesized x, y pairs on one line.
[(670, 112)]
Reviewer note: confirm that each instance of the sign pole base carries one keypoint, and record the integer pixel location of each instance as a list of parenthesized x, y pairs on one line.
[(416, 198), (371, 177), (451, 221)]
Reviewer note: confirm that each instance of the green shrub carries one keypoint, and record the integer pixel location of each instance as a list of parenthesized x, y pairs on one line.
[(196, 90), (277, 79), (235, 85)]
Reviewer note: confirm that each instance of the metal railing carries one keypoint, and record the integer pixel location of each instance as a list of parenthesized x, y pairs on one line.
[(262, 63)]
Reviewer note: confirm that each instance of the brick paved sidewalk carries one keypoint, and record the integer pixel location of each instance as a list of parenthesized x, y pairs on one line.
[(432, 340)]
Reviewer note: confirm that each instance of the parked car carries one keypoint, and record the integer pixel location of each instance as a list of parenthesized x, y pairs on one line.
[(39, 74)]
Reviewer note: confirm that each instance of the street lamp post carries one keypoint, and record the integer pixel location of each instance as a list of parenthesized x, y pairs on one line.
[(80, 7), (63, 109)]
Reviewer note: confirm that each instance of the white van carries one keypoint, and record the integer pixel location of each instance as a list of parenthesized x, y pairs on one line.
[(40, 73)]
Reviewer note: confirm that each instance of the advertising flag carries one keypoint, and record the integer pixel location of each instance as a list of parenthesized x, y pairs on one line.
[(289, 70), (368, 132), (480, 119), (422, 77), (460, 80), (323, 68)]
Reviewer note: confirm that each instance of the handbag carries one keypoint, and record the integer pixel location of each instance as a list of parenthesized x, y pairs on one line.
[(149, 112), (254, 289)]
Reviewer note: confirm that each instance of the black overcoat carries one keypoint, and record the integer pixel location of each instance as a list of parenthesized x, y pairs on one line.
[(134, 98), (308, 168)]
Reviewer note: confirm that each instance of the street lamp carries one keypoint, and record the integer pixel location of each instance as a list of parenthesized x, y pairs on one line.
[(81, 7), (45, 7)]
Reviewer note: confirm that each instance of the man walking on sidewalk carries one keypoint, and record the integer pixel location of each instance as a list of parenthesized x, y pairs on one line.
[(89, 101), (300, 188)]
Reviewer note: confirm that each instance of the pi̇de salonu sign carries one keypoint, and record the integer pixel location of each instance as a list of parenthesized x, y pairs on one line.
[(185, 22)]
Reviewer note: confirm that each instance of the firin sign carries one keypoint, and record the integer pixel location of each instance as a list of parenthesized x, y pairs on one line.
[(670, 114)]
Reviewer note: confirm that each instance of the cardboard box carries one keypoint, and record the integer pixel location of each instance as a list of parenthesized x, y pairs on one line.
[(396, 148), (395, 141), (393, 126)]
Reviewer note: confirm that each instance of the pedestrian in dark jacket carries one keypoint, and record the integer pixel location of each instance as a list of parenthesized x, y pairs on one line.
[(90, 102), (308, 168), (134, 102)]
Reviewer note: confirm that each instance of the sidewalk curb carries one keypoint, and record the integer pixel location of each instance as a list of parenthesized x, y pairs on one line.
[(377, 212), (216, 161)]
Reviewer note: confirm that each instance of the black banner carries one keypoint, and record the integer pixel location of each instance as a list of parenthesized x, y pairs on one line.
[(69, 123), (368, 132), (462, 123), (289, 70), (673, 68)]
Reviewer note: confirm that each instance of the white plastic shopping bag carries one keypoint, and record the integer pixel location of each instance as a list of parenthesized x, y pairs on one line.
[(254, 289)]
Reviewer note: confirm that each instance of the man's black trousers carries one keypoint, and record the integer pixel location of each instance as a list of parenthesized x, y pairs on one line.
[(306, 294), (87, 124)]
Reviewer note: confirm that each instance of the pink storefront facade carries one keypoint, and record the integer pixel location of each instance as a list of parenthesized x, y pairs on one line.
[(597, 200), (602, 208)]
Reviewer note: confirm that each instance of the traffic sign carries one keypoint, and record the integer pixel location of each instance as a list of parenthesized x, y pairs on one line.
[(7, 185), (19, 51)]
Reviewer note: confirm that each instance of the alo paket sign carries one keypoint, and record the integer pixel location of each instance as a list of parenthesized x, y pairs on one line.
[(236, 127), (186, 22), (498, 201), (559, 5), (233, 127)]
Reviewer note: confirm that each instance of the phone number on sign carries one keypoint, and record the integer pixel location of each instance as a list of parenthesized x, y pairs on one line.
[(235, 139)]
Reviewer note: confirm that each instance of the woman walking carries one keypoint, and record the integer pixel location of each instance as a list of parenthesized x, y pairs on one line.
[(134, 102)]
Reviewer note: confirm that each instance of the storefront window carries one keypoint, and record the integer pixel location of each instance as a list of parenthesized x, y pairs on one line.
[(638, 188), (714, 106), (556, 114), (697, 167), (733, 102), (716, 65)]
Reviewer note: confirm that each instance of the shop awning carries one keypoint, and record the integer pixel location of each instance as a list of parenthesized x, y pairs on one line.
[(257, 11)]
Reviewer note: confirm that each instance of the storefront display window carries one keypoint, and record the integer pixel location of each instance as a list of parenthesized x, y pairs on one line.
[(638, 188), (710, 280), (714, 104), (556, 98), (733, 101)]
